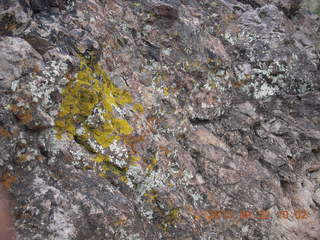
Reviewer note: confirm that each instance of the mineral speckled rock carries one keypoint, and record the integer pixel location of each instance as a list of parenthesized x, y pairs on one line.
[(168, 119), (17, 58)]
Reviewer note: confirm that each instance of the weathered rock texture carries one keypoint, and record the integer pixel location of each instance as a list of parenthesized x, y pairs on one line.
[(139, 119), (313, 6)]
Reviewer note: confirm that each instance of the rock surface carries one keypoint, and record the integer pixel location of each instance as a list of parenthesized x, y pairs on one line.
[(313, 6), (160, 119)]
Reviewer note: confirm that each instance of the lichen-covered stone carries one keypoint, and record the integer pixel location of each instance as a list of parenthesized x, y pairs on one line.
[(144, 119)]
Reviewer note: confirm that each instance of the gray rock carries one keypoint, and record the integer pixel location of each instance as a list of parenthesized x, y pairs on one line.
[(17, 59), (160, 119)]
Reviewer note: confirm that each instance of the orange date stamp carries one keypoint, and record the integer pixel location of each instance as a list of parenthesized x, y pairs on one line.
[(299, 214)]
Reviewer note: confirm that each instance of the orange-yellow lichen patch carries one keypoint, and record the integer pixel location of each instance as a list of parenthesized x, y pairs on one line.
[(164, 150), (4, 132), (153, 163), (138, 108), (25, 117), (92, 89), (22, 158), (89, 113), (132, 141), (7, 180)]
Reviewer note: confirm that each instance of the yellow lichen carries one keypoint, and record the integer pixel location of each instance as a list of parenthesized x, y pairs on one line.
[(100, 158), (135, 158), (121, 126), (138, 108), (91, 90), (173, 216), (151, 196), (168, 218), (166, 91), (153, 163), (124, 179), (108, 167)]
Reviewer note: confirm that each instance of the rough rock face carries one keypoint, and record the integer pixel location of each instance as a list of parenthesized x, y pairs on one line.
[(313, 6), (160, 119)]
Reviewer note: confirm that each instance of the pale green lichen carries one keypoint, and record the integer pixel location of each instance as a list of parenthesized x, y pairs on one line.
[(49, 81)]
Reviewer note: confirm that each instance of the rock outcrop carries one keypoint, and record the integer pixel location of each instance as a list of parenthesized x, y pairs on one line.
[(313, 6), (160, 119)]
